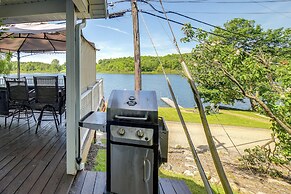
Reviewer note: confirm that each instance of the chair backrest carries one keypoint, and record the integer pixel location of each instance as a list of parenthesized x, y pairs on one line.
[(46, 89), (3, 103), (17, 89), (65, 82)]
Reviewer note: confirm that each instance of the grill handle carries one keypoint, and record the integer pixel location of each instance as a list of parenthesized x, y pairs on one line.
[(131, 118), (146, 170)]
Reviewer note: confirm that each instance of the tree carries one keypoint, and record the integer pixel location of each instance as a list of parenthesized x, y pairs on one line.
[(241, 61), (5, 62), (55, 62), (55, 65)]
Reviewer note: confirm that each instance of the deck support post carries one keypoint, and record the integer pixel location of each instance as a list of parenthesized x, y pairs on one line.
[(78, 31), (18, 64), (71, 96)]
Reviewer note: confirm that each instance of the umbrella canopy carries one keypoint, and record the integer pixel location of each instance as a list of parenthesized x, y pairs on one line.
[(33, 38)]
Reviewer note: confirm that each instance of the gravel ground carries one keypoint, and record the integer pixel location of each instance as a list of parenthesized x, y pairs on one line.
[(244, 180)]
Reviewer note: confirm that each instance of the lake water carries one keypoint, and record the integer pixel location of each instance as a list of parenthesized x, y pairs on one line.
[(155, 82), (158, 83)]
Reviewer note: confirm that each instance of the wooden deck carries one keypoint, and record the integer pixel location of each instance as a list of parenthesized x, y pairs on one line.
[(33, 163), (36, 163), (88, 182)]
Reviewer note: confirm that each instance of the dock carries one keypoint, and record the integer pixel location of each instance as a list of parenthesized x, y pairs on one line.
[(169, 102)]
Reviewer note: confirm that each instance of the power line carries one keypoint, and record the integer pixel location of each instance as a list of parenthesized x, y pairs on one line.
[(213, 151), (259, 3), (118, 14), (196, 20), (180, 23), (186, 131), (111, 4), (208, 2), (227, 13), (224, 2)]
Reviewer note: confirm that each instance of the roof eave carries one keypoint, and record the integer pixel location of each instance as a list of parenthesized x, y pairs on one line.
[(94, 9), (50, 10)]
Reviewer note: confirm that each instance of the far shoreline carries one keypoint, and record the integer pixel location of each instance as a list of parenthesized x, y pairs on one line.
[(103, 72)]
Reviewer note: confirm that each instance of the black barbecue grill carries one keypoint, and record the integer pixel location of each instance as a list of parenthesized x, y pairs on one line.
[(133, 143)]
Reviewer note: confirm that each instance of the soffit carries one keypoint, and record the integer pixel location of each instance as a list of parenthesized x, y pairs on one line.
[(25, 11), (12, 2), (98, 8)]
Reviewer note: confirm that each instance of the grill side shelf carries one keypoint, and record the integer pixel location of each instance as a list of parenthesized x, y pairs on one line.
[(94, 120)]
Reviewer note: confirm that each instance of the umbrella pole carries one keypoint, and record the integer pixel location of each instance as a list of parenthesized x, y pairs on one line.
[(18, 64)]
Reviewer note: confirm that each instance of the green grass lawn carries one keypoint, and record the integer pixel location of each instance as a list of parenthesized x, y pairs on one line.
[(224, 117), (100, 164), (100, 161), (194, 184)]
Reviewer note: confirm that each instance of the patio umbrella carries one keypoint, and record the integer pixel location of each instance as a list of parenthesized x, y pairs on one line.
[(32, 38)]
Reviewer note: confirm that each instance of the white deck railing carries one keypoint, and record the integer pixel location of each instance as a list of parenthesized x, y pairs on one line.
[(90, 101), (91, 98), (30, 81)]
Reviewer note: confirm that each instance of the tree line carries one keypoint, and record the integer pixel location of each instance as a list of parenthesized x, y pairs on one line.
[(39, 67), (149, 64)]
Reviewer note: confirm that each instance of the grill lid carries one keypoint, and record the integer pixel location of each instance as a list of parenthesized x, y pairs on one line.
[(133, 106)]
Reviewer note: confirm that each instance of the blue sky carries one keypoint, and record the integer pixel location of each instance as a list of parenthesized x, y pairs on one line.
[(114, 36)]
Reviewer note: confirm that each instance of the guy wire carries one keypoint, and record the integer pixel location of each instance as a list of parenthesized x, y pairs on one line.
[(207, 131), (195, 155)]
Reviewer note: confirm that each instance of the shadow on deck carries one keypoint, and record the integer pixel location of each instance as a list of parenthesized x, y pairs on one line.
[(88, 182), (33, 163)]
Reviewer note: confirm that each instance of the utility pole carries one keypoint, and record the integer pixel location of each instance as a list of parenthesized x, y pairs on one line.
[(136, 43)]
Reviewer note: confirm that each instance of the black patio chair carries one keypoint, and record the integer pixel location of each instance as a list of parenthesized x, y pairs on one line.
[(20, 99), (65, 93), (48, 99), (4, 107)]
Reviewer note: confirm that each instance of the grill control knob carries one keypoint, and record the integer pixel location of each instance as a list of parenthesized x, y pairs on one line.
[(140, 133), (131, 98), (121, 131)]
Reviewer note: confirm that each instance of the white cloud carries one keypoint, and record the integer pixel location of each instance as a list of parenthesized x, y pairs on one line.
[(112, 28)]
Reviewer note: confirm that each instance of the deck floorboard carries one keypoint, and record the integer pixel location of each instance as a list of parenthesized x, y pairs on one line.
[(33, 163), (100, 183), (88, 182)]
